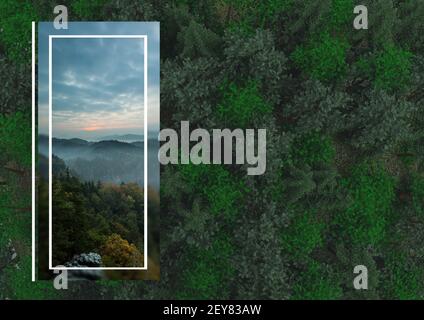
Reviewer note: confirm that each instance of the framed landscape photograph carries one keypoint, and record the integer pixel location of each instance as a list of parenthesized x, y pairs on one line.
[(98, 126)]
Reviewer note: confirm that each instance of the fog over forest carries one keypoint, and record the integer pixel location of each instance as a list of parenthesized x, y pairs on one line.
[(113, 160)]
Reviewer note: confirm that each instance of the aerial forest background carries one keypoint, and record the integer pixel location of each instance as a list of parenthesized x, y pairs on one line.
[(344, 114)]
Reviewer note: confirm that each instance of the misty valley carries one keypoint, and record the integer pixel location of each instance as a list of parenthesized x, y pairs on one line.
[(98, 202), (116, 159)]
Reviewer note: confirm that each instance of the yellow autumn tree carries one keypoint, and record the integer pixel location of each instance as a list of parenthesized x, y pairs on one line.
[(118, 252)]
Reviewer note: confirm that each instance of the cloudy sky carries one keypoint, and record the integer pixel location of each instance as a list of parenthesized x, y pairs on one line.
[(97, 85)]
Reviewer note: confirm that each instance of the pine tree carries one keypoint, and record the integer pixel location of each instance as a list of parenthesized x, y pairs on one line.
[(381, 122)]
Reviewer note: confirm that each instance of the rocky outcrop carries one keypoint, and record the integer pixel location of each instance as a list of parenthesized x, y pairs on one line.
[(85, 260)]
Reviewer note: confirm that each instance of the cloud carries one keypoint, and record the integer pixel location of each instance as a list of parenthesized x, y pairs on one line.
[(98, 83), (97, 75)]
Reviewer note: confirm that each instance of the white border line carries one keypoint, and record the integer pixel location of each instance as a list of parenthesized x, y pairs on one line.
[(145, 191), (33, 150)]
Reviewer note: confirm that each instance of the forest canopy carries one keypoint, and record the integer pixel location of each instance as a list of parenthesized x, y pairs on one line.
[(343, 109), (93, 217)]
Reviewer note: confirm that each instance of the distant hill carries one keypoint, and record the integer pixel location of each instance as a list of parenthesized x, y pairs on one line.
[(78, 148), (125, 137), (107, 160), (139, 144), (112, 144), (59, 144)]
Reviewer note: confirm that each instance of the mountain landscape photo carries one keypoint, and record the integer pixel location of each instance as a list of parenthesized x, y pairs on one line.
[(98, 138)]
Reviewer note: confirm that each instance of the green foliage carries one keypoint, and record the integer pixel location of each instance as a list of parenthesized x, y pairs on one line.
[(190, 89), (404, 278), (316, 283), (22, 288), (303, 18), (15, 29), (327, 187), (205, 12), (323, 58), (341, 13), (15, 232), (348, 257), (217, 186), (297, 183), (313, 149), (241, 105), (260, 273), (389, 68), (10, 227), (128, 10), (89, 9), (303, 235), (247, 15), (410, 29), (301, 22), (14, 77), (15, 141), (393, 68), (417, 190), (382, 21), (372, 191), (257, 58), (317, 108), (381, 122), (197, 41), (209, 272), (96, 218)]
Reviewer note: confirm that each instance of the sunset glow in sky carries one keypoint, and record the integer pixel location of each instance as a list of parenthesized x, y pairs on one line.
[(98, 82), (97, 86)]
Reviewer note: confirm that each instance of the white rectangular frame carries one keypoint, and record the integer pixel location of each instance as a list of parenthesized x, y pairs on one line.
[(145, 191), (33, 185)]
